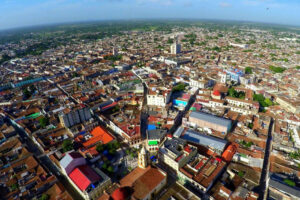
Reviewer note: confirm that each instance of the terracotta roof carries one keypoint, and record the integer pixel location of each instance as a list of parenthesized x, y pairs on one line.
[(99, 134), (143, 181)]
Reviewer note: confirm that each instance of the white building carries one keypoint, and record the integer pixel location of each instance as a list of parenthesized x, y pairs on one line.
[(244, 46), (157, 97), (175, 48)]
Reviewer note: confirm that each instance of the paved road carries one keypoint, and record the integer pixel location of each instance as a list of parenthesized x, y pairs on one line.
[(144, 114), (45, 161), (178, 119), (263, 188)]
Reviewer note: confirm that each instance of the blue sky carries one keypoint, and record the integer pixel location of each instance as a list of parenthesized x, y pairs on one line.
[(18, 13)]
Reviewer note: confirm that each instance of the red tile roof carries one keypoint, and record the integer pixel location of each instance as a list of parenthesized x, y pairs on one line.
[(83, 176)]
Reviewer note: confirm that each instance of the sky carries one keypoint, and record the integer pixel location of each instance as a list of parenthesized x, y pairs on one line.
[(20, 13)]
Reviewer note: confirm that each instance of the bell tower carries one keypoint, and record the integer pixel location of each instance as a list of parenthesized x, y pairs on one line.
[(143, 158)]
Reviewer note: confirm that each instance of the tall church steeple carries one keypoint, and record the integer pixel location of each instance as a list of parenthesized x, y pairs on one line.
[(143, 158)]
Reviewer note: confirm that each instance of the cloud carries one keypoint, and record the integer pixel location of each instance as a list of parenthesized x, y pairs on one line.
[(225, 5)]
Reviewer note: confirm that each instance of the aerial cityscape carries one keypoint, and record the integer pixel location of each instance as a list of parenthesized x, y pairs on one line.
[(169, 109)]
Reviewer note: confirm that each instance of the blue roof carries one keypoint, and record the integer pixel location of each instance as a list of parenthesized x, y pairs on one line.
[(204, 140), (151, 127), (211, 118)]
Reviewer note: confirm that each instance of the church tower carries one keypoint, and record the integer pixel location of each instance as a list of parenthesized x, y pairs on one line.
[(143, 158)]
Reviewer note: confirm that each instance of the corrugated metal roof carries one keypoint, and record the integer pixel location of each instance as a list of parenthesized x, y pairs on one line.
[(211, 118), (282, 187), (178, 132), (68, 159), (204, 140)]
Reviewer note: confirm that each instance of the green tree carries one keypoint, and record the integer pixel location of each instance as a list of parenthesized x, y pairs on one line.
[(44, 197), (250, 125), (238, 40), (100, 148), (216, 48), (44, 121), (67, 145), (179, 87), (110, 169), (26, 93), (233, 93), (14, 186), (277, 69), (241, 174), (104, 166), (170, 41), (268, 102)]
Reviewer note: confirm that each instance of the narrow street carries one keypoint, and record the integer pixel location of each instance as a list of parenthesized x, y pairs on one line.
[(144, 114), (45, 161), (263, 188), (178, 119)]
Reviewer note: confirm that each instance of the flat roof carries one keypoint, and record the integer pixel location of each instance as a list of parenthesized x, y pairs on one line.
[(285, 188), (204, 140), (211, 118)]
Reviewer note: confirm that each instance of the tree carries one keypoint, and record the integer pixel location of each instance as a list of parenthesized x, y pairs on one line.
[(67, 145), (26, 93), (248, 70), (44, 197), (241, 174), (233, 93), (44, 121), (179, 87), (14, 187), (100, 148), (250, 125), (170, 41), (216, 48), (277, 69), (110, 169), (268, 102), (116, 145), (104, 166), (237, 40)]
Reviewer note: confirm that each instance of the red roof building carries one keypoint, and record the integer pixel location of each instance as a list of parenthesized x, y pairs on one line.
[(83, 176), (229, 153), (216, 93), (120, 194), (98, 135)]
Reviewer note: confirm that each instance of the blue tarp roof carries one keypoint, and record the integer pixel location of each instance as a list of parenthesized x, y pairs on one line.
[(151, 127)]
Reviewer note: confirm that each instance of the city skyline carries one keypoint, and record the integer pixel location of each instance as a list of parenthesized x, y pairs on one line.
[(30, 13)]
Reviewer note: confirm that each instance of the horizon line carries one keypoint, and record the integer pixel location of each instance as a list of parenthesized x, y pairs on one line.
[(145, 19)]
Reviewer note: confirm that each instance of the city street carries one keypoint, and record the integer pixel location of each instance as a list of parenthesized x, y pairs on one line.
[(263, 189), (45, 161)]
